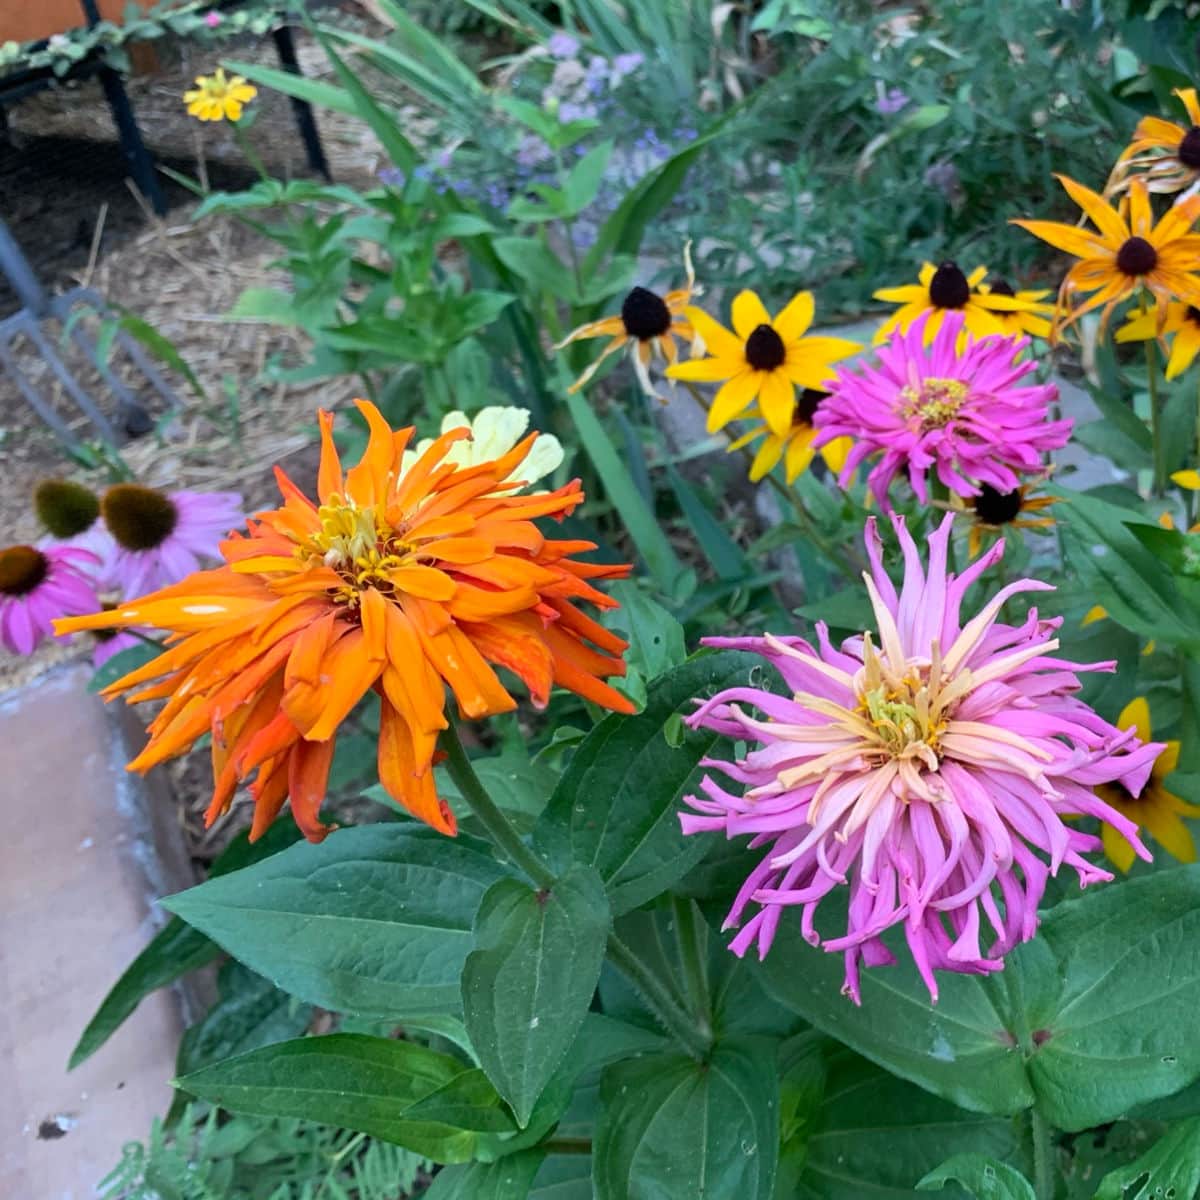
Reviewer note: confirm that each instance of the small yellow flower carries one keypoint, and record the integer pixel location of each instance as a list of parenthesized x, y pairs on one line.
[(647, 320), (794, 446), (944, 289), (219, 98), (1158, 811), (1031, 319), (1126, 251), (1183, 320), (765, 358), (1166, 154)]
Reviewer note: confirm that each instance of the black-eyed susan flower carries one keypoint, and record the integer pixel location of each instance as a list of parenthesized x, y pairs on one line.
[(1126, 252), (1033, 318), (993, 511), (1182, 324), (218, 97), (946, 289), (647, 322), (1164, 155), (764, 358), (1158, 811), (794, 446)]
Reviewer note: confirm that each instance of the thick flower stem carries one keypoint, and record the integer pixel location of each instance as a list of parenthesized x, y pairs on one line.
[(1043, 1156), (251, 154), (673, 1018), (499, 828), (689, 933), (1159, 485)]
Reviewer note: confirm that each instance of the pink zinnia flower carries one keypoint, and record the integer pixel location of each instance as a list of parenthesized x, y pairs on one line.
[(960, 411), (212, 19), (929, 774), (37, 585), (160, 537)]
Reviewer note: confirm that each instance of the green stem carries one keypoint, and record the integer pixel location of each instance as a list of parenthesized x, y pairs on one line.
[(1159, 485), (690, 934), (499, 828), (1043, 1156), (249, 151), (567, 1145), (678, 1023)]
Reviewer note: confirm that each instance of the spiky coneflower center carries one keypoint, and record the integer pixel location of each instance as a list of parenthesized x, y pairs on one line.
[(1136, 257), (765, 350), (998, 508), (949, 287), (934, 402), (645, 315), (139, 518), (22, 569), (65, 508)]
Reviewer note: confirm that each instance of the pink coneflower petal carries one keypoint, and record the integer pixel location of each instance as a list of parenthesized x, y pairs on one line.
[(929, 768), (956, 408)]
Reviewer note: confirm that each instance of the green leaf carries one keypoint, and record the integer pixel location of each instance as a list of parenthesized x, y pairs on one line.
[(299, 87), (271, 305), (656, 642), (394, 1090), (617, 805), (582, 184), (174, 951), (478, 309), (527, 984), (983, 1177), (376, 920), (122, 663), (532, 260), (722, 552), (640, 521), (1171, 1167), (160, 346), (672, 1127), (874, 1135), (508, 1178)]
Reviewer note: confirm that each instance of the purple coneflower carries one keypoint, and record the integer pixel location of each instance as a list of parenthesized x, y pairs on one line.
[(37, 585), (929, 774), (956, 405), (161, 537)]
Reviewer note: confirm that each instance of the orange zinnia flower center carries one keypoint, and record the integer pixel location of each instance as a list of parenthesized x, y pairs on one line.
[(359, 545)]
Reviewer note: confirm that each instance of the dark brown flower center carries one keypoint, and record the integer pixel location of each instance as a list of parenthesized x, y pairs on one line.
[(997, 508), (1189, 148), (1193, 314), (765, 349), (645, 315), (65, 508), (106, 635), (140, 518), (1002, 288), (807, 404), (22, 568), (949, 288), (1137, 257)]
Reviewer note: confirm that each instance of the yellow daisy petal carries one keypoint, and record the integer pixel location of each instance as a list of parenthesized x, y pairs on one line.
[(748, 313), (796, 317), (733, 399), (1120, 853), (777, 399), (1137, 714), (836, 453), (717, 339)]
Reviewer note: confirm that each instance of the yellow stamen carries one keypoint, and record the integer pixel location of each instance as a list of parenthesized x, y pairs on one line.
[(935, 402)]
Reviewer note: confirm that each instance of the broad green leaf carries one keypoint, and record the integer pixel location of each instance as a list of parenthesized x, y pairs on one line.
[(478, 309), (563, 1177), (617, 805), (656, 642), (271, 305), (640, 521), (299, 87), (1170, 1168), (876, 1136), (1118, 1032), (175, 950), (583, 182), (122, 663), (250, 1013), (983, 1177), (527, 985), (671, 1127), (394, 1090), (533, 261), (722, 552), (376, 920), (508, 1178)]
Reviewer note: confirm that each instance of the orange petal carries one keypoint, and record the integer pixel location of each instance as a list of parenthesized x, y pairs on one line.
[(399, 774), (329, 475), (367, 483), (308, 774)]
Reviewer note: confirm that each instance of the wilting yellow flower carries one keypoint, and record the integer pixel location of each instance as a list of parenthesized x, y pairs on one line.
[(1166, 154), (1125, 252), (795, 446), (993, 511), (1156, 810), (944, 289), (1182, 320), (764, 359), (219, 98), (648, 322)]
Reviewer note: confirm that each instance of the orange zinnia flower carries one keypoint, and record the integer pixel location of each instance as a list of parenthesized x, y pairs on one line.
[(398, 580)]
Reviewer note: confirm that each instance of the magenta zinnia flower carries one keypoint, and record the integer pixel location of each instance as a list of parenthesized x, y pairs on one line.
[(929, 774), (37, 585), (161, 537), (960, 411)]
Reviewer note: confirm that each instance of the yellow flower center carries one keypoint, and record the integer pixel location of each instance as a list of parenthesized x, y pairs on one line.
[(935, 402), (216, 87), (359, 545), (906, 712)]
